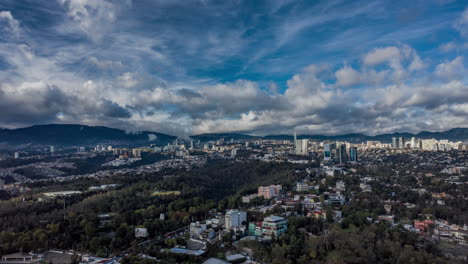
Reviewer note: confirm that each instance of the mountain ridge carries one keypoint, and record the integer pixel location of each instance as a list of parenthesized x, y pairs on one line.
[(77, 134), (454, 134)]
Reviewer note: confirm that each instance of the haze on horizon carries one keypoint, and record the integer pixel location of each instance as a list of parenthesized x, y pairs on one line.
[(257, 67)]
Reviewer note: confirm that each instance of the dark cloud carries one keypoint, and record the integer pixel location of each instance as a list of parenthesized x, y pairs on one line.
[(189, 94), (111, 109)]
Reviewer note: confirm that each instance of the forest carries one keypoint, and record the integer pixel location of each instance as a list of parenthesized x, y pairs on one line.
[(74, 222)]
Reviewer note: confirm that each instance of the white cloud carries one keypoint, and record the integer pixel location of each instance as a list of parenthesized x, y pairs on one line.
[(347, 76), (451, 70), (104, 64), (416, 63), (128, 80), (462, 23), (8, 24), (447, 47), (401, 60), (140, 79), (382, 55), (152, 137), (93, 18)]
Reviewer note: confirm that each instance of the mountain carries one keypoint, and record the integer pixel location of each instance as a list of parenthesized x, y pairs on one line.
[(455, 134), (72, 135), (81, 135), (226, 136)]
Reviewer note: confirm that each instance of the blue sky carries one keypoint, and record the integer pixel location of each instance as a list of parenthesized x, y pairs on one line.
[(261, 67)]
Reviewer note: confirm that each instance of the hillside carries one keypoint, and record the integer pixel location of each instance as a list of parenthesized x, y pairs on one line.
[(74, 134), (455, 134)]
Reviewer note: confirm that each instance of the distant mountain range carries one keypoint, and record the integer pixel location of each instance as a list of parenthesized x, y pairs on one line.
[(75, 135), (81, 135), (455, 134)]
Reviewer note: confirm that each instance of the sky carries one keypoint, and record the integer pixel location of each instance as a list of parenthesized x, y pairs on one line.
[(187, 67)]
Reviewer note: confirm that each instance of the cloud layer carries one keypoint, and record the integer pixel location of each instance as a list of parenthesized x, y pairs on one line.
[(188, 67)]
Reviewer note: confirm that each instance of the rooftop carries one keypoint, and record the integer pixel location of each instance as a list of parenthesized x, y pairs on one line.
[(274, 218)]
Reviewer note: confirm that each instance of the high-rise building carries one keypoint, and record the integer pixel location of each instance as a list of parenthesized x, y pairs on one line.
[(233, 153), (341, 153), (17, 155), (52, 149), (395, 143), (235, 218), (401, 141), (301, 147), (327, 151), (353, 155), (2, 185), (136, 153)]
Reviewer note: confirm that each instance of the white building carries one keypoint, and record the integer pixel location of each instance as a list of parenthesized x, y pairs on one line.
[(234, 218), (248, 198), (136, 153), (301, 147), (17, 155), (141, 232), (340, 186), (61, 194), (20, 257), (196, 229), (303, 187), (233, 153), (52, 149)]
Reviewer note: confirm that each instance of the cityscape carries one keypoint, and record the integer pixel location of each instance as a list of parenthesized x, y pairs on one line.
[(254, 132), (248, 196)]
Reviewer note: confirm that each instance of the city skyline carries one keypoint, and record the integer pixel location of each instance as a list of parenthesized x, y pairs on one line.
[(193, 67)]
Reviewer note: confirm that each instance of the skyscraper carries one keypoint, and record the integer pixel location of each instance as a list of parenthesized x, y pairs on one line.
[(353, 155), (301, 147), (342, 156), (327, 150), (395, 143), (401, 142), (233, 153)]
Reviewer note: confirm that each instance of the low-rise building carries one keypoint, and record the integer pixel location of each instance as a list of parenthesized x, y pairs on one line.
[(235, 218), (304, 187), (274, 226), (269, 192), (248, 198), (255, 229), (61, 194), (20, 258)]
